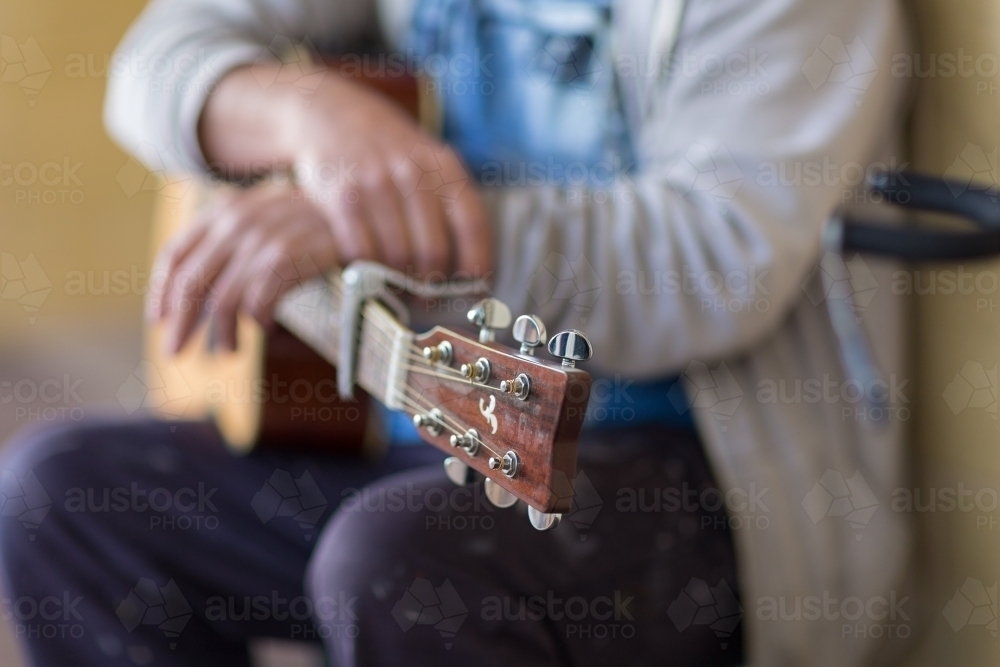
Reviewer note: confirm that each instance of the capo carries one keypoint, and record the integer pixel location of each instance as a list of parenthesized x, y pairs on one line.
[(364, 280)]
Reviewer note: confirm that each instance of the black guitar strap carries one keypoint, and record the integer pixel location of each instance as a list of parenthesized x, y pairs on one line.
[(847, 233)]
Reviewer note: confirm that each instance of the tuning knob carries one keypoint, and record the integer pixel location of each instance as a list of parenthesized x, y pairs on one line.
[(541, 520), (458, 472), (571, 346), (529, 331), (489, 315), (498, 495)]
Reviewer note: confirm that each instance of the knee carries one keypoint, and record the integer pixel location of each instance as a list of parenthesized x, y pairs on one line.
[(33, 464), (53, 452), (366, 539), (37, 466)]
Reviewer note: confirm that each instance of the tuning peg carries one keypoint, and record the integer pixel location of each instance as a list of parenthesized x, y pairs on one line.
[(498, 495), (529, 331), (458, 472), (541, 520), (571, 346), (489, 315), (508, 464)]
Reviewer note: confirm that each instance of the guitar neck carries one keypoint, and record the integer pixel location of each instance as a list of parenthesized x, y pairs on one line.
[(506, 415), (312, 311)]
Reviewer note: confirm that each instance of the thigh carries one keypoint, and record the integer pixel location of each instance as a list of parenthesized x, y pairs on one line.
[(163, 540), (641, 571)]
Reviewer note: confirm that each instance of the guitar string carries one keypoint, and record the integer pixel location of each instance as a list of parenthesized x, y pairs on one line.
[(414, 352), (457, 431), (452, 374), (462, 429), (381, 340), (379, 329), (427, 370)]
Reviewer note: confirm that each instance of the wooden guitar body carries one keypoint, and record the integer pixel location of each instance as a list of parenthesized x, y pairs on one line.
[(273, 391)]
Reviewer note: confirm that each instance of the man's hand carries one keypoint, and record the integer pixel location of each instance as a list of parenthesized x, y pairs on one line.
[(244, 251), (389, 191)]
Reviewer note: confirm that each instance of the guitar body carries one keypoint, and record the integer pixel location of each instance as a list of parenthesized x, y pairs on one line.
[(274, 391)]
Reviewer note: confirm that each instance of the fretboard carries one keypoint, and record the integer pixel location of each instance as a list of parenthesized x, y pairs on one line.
[(312, 312)]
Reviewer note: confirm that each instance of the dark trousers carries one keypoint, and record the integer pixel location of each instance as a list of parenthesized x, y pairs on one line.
[(148, 543)]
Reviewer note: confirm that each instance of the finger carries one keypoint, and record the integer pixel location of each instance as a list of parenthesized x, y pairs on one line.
[(466, 215), (282, 265), (349, 227), (471, 229), (244, 223), (307, 240), (432, 241), (176, 250), (228, 292), (166, 263), (385, 212)]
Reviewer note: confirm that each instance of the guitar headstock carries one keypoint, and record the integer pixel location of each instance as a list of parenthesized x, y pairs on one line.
[(506, 414)]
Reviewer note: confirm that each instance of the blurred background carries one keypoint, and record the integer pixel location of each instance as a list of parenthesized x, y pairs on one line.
[(75, 217), (74, 226)]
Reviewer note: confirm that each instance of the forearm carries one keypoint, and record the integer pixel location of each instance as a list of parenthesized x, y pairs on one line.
[(246, 129), (178, 52)]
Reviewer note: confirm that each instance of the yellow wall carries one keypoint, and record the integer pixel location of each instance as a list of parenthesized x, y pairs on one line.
[(957, 123), (90, 223)]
